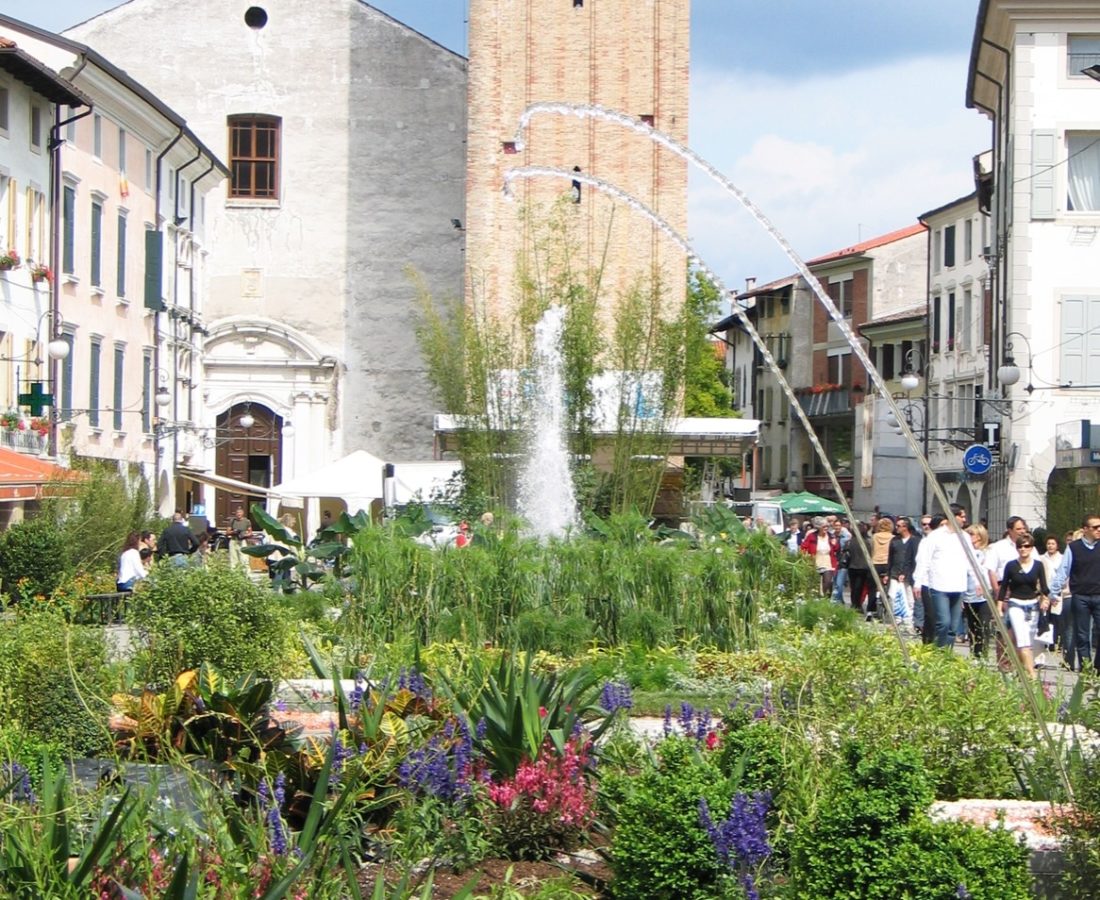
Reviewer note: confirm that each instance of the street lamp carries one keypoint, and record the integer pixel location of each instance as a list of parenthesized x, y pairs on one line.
[(1008, 373), (910, 372)]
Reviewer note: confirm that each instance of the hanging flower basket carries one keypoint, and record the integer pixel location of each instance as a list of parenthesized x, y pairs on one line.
[(10, 260), (41, 274)]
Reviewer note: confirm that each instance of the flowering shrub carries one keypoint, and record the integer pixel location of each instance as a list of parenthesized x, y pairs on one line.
[(660, 848), (741, 840), (547, 805), (443, 767)]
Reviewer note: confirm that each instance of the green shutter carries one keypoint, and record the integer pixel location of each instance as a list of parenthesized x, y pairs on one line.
[(1044, 145), (154, 262)]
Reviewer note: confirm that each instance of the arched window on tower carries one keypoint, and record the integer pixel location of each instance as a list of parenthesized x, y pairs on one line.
[(576, 186)]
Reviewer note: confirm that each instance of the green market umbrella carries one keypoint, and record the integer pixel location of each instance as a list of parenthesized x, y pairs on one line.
[(805, 503)]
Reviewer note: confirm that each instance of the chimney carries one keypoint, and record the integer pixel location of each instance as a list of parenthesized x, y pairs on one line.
[(750, 283)]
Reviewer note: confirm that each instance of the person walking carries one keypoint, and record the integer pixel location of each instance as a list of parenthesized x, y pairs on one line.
[(1080, 569), (903, 560), (842, 534), (824, 547), (177, 542), (1023, 593), (240, 530), (923, 613), (860, 582), (880, 558), (941, 567), (976, 609)]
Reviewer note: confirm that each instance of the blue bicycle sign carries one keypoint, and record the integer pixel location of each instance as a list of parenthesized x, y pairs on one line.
[(977, 459)]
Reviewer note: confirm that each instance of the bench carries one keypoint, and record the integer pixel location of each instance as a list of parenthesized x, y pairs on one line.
[(102, 609)]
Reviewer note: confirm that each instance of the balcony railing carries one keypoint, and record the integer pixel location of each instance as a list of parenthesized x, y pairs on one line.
[(25, 441), (827, 403)]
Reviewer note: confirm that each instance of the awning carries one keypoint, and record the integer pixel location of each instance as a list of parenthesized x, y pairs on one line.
[(25, 477), (221, 481)]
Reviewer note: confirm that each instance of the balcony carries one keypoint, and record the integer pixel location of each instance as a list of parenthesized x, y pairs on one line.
[(24, 441), (827, 403)]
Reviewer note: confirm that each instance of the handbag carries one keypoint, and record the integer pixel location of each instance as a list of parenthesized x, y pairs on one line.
[(1044, 628)]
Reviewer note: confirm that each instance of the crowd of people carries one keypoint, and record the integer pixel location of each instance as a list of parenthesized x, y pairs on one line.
[(1048, 600), (180, 545)]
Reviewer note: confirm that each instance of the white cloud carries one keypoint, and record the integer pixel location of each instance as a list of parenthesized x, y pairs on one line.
[(830, 160)]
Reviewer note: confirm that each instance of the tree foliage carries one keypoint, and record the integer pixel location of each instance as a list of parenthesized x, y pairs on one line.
[(630, 347), (706, 392)]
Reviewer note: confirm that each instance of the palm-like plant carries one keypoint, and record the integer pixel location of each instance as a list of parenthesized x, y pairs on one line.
[(514, 711)]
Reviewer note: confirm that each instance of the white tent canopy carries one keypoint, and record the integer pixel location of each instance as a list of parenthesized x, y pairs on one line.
[(356, 479)]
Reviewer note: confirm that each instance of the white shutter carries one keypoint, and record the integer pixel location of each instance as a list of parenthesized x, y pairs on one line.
[(1044, 146)]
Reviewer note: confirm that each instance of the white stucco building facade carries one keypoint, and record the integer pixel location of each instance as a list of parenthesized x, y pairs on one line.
[(127, 252), (344, 132), (1026, 75)]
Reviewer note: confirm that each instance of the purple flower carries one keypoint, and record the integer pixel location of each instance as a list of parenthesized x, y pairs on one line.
[(741, 840), (668, 720), (962, 893), (481, 729), (616, 695), (280, 706), (355, 698), (276, 830), (703, 725), (443, 767), (687, 717), (412, 681), (20, 778)]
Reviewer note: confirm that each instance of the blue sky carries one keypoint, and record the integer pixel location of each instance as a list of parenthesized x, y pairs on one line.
[(841, 119)]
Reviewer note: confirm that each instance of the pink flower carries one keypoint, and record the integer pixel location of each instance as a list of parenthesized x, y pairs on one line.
[(712, 740)]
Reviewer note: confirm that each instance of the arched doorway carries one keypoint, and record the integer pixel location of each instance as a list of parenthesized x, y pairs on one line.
[(253, 455)]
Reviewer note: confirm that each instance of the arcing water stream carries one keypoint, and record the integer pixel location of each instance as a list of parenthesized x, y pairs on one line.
[(687, 154)]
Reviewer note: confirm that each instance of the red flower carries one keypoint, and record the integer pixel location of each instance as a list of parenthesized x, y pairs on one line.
[(712, 740), (542, 712)]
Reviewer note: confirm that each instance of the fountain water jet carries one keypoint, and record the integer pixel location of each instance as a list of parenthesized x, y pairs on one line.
[(547, 501)]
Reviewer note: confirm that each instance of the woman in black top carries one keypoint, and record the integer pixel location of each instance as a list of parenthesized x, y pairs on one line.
[(1023, 592)]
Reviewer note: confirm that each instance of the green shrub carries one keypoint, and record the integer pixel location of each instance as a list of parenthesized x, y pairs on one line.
[(871, 838), (17, 745), (660, 849), (823, 614), (1081, 828), (648, 628), (188, 615), (34, 557), (54, 681), (543, 629), (969, 724)]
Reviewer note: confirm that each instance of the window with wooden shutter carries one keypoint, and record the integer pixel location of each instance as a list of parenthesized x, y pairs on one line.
[(254, 157)]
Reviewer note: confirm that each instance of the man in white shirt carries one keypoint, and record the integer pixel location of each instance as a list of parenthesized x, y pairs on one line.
[(1002, 552), (941, 566)]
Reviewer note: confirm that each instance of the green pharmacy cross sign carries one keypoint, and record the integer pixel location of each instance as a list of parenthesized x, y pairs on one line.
[(36, 398)]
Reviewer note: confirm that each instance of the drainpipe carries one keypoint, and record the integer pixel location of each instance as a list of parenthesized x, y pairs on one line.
[(156, 317), (927, 365), (56, 143), (173, 314), (191, 289)]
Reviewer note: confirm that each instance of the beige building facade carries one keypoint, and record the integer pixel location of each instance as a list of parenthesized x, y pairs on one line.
[(630, 56)]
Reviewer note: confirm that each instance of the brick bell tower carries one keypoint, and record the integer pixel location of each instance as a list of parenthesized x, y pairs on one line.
[(627, 55)]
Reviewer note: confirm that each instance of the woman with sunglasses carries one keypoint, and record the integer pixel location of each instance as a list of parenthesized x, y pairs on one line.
[(1023, 592)]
